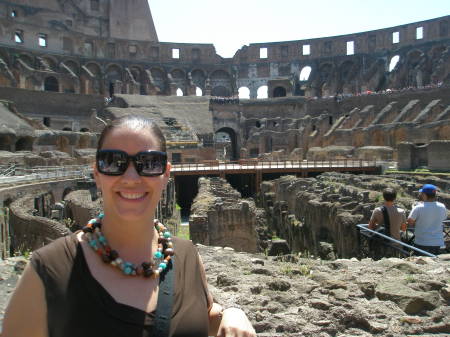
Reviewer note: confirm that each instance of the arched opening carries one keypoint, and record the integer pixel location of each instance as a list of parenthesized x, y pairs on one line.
[(24, 144), (198, 91), (279, 92), (5, 143), (305, 73), (393, 63), (84, 130), (228, 135), (111, 89), (51, 84), (262, 92), (180, 92), (220, 91), (244, 92)]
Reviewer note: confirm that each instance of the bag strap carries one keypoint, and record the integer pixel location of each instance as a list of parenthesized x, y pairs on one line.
[(387, 223), (161, 324)]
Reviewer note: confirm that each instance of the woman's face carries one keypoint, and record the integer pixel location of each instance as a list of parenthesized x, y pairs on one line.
[(130, 196)]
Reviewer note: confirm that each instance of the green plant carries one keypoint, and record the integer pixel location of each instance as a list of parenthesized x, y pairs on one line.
[(183, 232), (305, 270), (177, 207), (410, 279), (286, 269)]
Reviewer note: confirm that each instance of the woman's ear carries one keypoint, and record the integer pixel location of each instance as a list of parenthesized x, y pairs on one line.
[(168, 168)]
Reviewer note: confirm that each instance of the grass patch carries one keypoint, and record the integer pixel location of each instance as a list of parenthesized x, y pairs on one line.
[(419, 172), (183, 232)]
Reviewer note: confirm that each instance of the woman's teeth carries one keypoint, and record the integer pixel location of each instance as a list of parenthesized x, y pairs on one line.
[(131, 195)]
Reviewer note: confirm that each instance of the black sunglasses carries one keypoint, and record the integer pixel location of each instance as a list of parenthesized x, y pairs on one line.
[(146, 163)]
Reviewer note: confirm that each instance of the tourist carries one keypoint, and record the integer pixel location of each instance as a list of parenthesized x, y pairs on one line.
[(427, 218), (392, 217), (117, 276)]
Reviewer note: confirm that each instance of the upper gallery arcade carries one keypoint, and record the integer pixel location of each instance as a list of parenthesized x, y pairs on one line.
[(111, 46)]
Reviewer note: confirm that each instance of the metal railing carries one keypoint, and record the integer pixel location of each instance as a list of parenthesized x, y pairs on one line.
[(369, 238), (8, 171), (258, 164), (30, 175)]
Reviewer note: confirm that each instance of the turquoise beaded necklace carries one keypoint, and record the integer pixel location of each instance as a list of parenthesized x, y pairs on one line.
[(152, 268)]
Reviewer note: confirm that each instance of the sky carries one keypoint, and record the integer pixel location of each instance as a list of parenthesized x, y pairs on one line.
[(231, 24)]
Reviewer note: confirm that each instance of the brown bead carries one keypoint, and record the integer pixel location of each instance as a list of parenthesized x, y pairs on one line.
[(169, 252), (106, 258), (113, 254), (148, 272), (145, 265), (139, 270)]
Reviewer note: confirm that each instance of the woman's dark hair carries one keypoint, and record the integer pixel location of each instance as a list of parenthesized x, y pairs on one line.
[(134, 122)]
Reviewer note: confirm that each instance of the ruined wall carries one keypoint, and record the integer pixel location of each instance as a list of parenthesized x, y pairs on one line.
[(311, 213), (434, 156), (30, 232), (62, 109), (219, 217)]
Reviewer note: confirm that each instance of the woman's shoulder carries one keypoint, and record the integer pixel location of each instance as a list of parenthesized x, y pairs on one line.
[(55, 251)]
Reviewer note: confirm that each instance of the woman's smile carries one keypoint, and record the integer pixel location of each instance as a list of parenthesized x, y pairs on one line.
[(132, 196)]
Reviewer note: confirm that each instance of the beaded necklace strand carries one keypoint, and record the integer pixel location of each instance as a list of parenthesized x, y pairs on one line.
[(154, 267)]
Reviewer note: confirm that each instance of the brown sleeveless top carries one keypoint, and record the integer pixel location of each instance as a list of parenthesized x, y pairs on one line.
[(78, 305)]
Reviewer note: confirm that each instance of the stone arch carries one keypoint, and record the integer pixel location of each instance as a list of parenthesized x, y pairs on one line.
[(220, 81), (325, 71), (51, 84), (24, 144), (221, 91), (198, 78), (262, 91), (234, 141), (393, 62), (66, 191), (305, 73), (62, 144), (220, 75), (113, 79), (436, 52), (90, 80), (244, 92), (6, 142), (50, 63), (178, 74), (414, 57), (84, 141), (27, 59), (279, 92), (72, 65), (159, 78)]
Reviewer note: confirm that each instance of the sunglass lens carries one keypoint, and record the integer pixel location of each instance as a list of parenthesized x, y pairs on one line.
[(110, 162), (151, 163)]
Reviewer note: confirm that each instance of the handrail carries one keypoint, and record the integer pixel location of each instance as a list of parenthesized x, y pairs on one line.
[(363, 229), (9, 171), (266, 164)]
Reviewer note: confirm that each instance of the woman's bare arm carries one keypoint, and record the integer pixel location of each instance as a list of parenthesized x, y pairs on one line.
[(26, 313)]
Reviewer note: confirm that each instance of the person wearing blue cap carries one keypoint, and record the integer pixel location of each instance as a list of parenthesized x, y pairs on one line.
[(427, 218)]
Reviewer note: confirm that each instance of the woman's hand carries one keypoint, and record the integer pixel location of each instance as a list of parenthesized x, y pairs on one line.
[(235, 323)]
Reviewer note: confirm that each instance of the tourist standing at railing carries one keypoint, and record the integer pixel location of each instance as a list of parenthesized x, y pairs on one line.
[(392, 217), (427, 218)]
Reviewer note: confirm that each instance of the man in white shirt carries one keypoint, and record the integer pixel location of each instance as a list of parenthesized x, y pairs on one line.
[(427, 217)]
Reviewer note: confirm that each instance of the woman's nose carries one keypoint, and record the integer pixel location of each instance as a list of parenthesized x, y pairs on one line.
[(131, 173)]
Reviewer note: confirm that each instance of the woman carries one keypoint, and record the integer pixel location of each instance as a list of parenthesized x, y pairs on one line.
[(123, 275)]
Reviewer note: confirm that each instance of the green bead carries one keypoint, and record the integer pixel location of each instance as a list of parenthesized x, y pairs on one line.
[(167, 235), (158, 255)]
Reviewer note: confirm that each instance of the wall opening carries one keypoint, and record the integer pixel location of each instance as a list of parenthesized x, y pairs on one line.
[(244, 92), (111, 89), (198, 91), (51, 84), (330, 120), (279, 92), (262, 92), (419, 33), (18, 36), (175, 53), (393, 63), (42, 40), (180, 92), (14, 14), (350, 47), (262, 53), (46, 121), (24, 144), (232, 137), (306, 49), (284, 51), (220, 91), (395, 37), (304, 73)]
